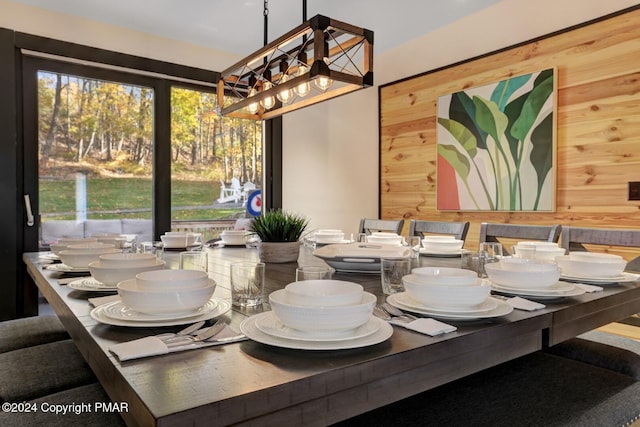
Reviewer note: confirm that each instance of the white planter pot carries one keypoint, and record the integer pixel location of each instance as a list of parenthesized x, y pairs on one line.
[(279, 252)]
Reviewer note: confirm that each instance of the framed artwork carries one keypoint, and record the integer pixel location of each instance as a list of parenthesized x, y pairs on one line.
[(496, 146)]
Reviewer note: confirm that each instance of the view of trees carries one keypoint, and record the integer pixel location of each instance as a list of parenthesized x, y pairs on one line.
[(105, 130)]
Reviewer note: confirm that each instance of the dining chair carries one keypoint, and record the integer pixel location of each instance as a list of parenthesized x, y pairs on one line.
[(369, 226), (457, 229), (493, 232), (574, 238), (29, 331)]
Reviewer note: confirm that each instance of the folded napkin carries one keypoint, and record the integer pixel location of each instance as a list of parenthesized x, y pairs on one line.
[(154, 346), (588, 288), (103, 300), (524, 304), (426, 326)]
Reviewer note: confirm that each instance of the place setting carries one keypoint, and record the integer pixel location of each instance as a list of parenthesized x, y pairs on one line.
[(162, 298), (445, 293), (322, 237), (180, 240), (318, 315), (594, 268), (233, 239), (75, 258), (441, 246)]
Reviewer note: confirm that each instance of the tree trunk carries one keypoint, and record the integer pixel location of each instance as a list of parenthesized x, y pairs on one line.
[(53, 124)]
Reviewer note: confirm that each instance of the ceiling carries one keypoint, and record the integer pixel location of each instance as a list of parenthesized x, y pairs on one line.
[(236, 26)]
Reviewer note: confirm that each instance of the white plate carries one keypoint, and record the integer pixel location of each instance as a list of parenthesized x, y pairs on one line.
[(98, 314), (249, 328), (442, 254), (50, 256), (556, 288), (502, 309), (538, 293), (271, 325), (488, 305), (89, 284), (119, 311), (64, 268), (624, 277)]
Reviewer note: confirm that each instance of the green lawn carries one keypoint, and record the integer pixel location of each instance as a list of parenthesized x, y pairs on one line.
[(106, 197)]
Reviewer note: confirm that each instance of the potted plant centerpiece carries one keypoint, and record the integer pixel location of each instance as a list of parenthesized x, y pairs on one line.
[(279, 234)]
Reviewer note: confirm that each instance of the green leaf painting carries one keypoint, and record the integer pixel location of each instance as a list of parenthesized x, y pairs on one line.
[(499, 140)]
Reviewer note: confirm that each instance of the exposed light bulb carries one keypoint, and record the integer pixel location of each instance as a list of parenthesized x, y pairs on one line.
[(322, 82), (302, 89), (268, 102), (285, 96), (253, 107)]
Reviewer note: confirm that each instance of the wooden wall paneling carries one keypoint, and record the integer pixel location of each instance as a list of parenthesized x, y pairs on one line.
[(598, 127)]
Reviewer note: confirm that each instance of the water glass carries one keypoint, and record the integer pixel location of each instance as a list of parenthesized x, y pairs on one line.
[(392, 270), (415, 243), (247, 283), (194, 260), (156, 248), (492, 251), (313, 273), (473, 261)]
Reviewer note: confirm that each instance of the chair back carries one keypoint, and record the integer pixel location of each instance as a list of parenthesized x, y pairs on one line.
[(573, 239), (369, 226), (420, 228), (493, 232)]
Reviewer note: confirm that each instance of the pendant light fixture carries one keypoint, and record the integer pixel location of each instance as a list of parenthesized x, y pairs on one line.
[(318, 60)]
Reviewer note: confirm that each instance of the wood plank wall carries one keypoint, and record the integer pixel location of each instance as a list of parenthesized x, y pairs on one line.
[(598, 137)]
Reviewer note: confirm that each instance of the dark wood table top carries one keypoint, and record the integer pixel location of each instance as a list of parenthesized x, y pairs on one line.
[(252, 383)]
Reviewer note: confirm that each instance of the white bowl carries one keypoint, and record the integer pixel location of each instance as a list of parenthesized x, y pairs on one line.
[(63, 244), (548, 254), (78, 258), (117, 240), (520, 273), (447, 245), (323, 293), (171, 279), (110, 275), (444, 276), (595, 256), (321, 320), (126, 260), (437, 238), (234, 237), (164, 301), (538, 244), (178, 239), (385, 239), (329, 236), (447, 296), (584, 267)]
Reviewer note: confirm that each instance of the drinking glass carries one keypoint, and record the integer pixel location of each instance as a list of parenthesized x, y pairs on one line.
[(247, 283), (415, 243), (492, 251), (474, 261), (313, 273), (194, 260), (392, 271)]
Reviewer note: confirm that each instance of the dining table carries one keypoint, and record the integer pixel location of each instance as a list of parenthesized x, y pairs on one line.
[(251, 383)]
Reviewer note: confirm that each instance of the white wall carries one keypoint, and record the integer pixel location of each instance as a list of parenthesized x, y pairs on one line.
[(331, 150), (341, 163)]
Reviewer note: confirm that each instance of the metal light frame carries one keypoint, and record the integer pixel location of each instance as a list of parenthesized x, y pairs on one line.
[(335, 50)]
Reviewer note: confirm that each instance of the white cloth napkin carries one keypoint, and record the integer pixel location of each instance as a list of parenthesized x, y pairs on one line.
[(426, 326), (525, 304), (588, 288), (103, 300), (154, 346)]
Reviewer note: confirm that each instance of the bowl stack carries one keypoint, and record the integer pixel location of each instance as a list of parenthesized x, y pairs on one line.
[(385, 239), (441, 244), (443, 289), (110, 269), (541, 251), (329, 236), (180, 239), (166, 292), (234, 237), (81, 255), (63, 244), (591, 265), (518, 273), (322, 306)]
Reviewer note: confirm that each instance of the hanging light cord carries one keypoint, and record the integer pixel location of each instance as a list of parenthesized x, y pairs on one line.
[(266, 22)]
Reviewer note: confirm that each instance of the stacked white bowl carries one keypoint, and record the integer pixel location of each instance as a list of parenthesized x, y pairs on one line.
[(81, 255), (542, 251), (166, 292), (322, 306), (180, 239), (111, 269), (117, 240), (385, 238), (442, 244), (523, 273), (591, 265), (329, 236), (63, 244), (234, 237), (446, 288)]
